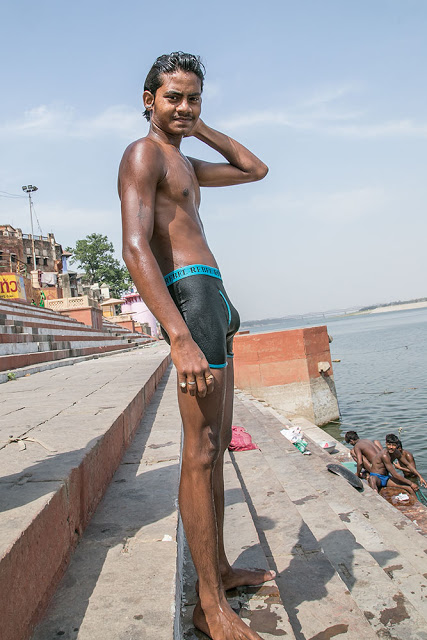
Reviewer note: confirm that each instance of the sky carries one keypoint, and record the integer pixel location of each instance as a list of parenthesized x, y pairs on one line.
[(331, 95)]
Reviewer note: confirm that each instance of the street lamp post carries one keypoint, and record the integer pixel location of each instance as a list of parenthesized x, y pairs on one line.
[(30, 189)]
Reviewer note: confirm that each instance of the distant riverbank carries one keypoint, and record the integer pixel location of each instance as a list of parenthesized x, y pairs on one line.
[(394, 307)]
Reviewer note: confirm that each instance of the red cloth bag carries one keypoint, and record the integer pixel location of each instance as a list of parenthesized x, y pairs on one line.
[(241, 440)]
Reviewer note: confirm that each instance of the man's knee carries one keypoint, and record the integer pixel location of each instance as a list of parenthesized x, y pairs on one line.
[(202, 453)]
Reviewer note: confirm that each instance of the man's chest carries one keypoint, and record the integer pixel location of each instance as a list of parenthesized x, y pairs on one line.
[(180, 183)]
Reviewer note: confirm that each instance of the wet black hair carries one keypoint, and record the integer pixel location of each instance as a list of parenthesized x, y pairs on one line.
[(392, 439), (351, 435), (399, 444), (169, 63)]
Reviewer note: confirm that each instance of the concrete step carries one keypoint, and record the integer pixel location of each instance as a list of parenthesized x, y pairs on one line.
[(11, 330), (260, 607), (318, 603), (35, 345), (122, 578), (21, 307), (26, 309), (11, 362), (392, 605), (116, 328), (80, 329), (21, 372), (54, 328), (28, 320), (76, 425), (21, 338)]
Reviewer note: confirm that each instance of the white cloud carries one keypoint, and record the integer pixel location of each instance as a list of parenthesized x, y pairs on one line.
[(323, 113), (61, 121), (337, 207)]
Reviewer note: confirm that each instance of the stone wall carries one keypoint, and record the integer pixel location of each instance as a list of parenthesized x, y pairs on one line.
[(292, 370)]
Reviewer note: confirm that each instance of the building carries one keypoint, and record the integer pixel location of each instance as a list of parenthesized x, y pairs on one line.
[(17, 250), (134, 304), (17, 253)]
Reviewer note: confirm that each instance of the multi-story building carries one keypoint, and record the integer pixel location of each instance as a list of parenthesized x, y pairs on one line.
[(16, 252)]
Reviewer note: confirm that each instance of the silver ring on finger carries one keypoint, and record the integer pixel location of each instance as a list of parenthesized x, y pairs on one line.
[(191, 383), (210, 377), (182, 385)]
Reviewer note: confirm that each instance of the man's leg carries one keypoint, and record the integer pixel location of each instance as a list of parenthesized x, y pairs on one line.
[(202, 419), (374, 483), (231, 578), (402, 484)]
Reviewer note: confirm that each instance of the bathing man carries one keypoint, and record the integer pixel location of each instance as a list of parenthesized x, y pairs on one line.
[(170, 262), (383, 472), (363, 452), (406, 464)]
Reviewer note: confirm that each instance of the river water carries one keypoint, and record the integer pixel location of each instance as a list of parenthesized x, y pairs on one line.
[(381, 379)]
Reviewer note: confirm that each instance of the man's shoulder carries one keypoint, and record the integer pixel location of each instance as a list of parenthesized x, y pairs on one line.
[(143, 157), (140, 149), (364, 442), (380, 454)]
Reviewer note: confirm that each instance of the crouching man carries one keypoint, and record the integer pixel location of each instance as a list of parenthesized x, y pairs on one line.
[(383, 472)]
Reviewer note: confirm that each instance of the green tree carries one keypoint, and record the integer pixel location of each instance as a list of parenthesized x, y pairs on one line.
[(95, 254)]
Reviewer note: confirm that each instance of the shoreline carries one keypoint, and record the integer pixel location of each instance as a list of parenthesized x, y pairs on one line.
[(395, 307), (404, 306)]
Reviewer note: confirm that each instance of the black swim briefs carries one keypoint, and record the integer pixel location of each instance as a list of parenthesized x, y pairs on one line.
[(199, 294)]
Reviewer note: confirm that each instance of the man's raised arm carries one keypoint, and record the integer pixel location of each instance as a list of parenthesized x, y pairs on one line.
[(241, 166), (409, 463), (140, 172), (393, 474)]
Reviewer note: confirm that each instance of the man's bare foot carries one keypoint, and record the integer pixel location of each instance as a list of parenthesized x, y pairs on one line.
[(243, 578), (222, 623)]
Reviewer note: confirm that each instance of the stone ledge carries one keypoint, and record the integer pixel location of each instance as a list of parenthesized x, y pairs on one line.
[(48, 497)]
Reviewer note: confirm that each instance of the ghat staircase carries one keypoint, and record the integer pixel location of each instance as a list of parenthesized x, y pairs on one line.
[(91, 546), (34, 338)]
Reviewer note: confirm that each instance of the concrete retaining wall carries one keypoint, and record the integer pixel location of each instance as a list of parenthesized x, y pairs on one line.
[(292, 370)]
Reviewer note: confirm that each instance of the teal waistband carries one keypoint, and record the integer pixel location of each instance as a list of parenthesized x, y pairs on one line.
[(191, 270)]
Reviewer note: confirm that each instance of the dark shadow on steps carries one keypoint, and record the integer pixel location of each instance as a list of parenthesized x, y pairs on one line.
[(310, 569)]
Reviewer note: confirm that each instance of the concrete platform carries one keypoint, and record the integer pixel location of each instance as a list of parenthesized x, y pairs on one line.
[(63, 433), (260, 607)]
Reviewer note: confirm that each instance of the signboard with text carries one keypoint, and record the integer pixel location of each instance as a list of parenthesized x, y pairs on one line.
[(12, 286)]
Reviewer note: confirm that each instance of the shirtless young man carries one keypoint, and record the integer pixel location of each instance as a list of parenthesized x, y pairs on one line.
[(383, 472), (363, 452), (406, 464), (170, 262)]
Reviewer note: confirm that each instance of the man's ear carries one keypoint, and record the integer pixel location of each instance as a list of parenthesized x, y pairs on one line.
[(148, 100)]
